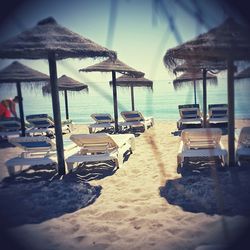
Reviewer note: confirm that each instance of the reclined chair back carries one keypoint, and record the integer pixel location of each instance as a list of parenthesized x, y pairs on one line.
[(36, 143), (217, 110), (40, 120), (131, 116), (189, 111), (94, 143), (244, 137), (102, 118), (10, 124), (201, 138)]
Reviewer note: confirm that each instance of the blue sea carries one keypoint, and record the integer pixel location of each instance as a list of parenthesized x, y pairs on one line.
[(161, 102)]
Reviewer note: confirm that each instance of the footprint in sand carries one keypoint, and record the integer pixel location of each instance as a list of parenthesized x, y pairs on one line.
[(79, 238)]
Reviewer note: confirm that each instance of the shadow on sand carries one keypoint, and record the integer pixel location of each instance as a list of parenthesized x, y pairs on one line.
[(211, 192), (39, 194)]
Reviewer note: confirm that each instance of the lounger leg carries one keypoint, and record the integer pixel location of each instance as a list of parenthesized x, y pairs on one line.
[(11, 170)]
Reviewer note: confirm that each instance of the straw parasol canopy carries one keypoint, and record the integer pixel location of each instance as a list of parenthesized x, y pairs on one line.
[(18, 73), (228, 42), (243, 74), (230, 39), (49, 40), (190, 76), (129, 81), (48, 36), (66, 84), (111, 65), (116, 65)]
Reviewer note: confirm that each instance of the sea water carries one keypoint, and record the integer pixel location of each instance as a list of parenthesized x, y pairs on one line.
[(161, 102)]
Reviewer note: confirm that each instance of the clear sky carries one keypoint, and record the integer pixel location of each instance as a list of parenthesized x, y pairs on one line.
[(140, 31)]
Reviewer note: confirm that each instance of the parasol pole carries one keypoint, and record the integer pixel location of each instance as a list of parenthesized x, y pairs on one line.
[(20, 101), (204, 73), (66, 104), (115, 101), (132, 97), (56, 113)]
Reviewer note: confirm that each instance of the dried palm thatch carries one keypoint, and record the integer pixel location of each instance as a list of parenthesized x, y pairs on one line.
[(66, 83), (230, 39), (126, 81), (189, 76), (194, 65), (243, 74), (48, 36), (110, 65), (129, 81), (17, 72)]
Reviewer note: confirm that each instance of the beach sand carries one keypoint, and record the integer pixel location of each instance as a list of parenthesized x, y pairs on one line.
[(137, 208)]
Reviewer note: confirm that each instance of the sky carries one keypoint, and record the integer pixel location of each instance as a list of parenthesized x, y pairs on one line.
[(140, 31)]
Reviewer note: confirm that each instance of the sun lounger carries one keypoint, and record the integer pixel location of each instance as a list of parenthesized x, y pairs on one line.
[(36, 150), (135, 121), (201, 144), (100, 147), (10, 127), (102, 121), (44, 124), (217, 114), (243, 146), (190, 116)]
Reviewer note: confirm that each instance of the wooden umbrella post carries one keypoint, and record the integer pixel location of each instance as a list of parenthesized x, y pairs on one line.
[(115, 101), (20, 101), (231, 123), (66, 104), (132, 97), (204, 72), (195, 99), (56, 113)]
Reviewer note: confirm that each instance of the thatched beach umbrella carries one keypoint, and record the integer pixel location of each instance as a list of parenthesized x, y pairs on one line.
[(49, 40), (114, 66), (243, 74), (228, 42), (18, 73), (191, 77), (130, 81), (205, 67), (66, 84)]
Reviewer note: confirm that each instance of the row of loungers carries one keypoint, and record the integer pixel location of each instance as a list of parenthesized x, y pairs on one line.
[(43, 124), (190, 115), (80, 148)]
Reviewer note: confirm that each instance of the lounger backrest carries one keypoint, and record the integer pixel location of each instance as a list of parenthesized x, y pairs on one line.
[(201, 138), (94, 143), (244, 137), (130, 116), (102, 118), (36, 143), (189, 111), (40, 120), (218, 110), (11, 124)]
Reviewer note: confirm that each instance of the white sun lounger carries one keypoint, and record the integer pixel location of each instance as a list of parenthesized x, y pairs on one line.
[(135, 120), (217, 114), (243, 146), (201, 143), (102, 121), (190, 115), (10, 127), (100, 147), (37, 150), (44, 124)]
